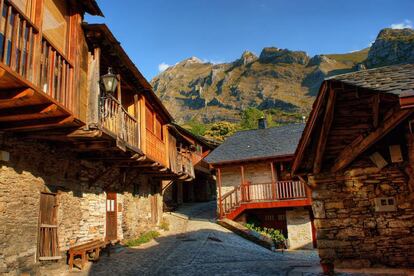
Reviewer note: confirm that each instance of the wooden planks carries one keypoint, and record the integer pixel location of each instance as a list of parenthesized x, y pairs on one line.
[(362, 143), (327, 122)]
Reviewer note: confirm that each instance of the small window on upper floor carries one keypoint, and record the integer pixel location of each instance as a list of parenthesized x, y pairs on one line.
[(158, 128), (55, 23), (25, 6)]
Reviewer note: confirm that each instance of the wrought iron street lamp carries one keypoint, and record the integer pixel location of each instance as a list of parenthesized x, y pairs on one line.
[(109, 81)]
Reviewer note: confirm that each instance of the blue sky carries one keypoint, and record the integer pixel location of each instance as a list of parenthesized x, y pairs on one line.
[(157, 32)]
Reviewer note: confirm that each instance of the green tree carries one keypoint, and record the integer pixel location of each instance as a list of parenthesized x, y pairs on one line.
[(249, 118), (220, 131)]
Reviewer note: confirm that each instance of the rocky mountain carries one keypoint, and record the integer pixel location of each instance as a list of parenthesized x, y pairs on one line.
[(277, 79)]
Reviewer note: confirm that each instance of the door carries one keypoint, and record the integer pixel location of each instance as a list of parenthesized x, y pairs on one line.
[(111, 217), (48, 248)]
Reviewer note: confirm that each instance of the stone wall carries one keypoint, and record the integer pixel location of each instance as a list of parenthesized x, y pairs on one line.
[(80, 186), (299, 228), (349, 230)]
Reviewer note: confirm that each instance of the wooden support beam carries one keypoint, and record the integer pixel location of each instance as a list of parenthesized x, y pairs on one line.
[(375, 110), (12, 96), (29, 112), (360, 144), (38, 124), (221, 211), (323, 137)]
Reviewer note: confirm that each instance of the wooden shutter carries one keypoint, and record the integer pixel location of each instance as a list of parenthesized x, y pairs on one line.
[(158, 128), (149, 119)]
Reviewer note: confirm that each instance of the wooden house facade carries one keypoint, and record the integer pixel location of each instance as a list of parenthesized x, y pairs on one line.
[(255, 184), (200, 188), (357, 154), (79, 162)]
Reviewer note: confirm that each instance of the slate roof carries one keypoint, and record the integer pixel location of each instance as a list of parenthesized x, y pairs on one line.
[(258, 143), (395, 79)]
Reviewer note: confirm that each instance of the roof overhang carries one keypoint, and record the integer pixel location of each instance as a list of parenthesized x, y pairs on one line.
[(99, 35), (279, 158), (91, 7)]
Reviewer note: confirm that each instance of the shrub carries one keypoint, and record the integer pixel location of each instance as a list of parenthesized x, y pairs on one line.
[(274, 234), (143, 238), (164, 225)]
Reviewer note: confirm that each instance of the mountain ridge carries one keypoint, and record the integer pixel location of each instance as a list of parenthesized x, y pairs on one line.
[(277, 79)]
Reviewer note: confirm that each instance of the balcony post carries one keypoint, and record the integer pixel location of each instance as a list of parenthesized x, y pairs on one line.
[(143, 124), (137, 139), (221, 214), (273, 181)]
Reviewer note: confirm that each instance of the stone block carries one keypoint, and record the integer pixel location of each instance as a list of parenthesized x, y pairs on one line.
[(334, 205)]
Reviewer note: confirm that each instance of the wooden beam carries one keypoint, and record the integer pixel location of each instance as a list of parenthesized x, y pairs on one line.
[(221, 212), (375, 110), (360, 144), (242, 174), (307, 132), (29, 112), (326, 126), (38, 124), (11, 96)]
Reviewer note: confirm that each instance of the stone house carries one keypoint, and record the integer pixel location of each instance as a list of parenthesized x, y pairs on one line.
[(83, 152), (357, 153), (255, 185)]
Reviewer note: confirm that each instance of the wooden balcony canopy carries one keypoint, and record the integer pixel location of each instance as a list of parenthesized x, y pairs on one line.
[(113, 55), (351, 113)]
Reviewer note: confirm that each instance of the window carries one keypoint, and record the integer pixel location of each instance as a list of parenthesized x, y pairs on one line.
[(149, 119), (25, 6), (158, 128), (55, 23)]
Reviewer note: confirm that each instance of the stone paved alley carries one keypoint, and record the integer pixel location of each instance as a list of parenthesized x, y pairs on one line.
[(198, 246)]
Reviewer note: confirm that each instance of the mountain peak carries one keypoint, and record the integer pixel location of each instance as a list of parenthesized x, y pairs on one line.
[(277, 55), (392, 46)]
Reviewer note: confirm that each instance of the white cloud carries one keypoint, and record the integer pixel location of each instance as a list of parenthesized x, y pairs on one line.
[(402, 25), (163, 66)]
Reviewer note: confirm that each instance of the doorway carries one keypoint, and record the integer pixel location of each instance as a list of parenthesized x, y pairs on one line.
[(48, 248), (111, 217)]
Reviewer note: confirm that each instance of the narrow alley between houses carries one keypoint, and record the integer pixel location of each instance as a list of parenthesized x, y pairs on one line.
[(196, 245)]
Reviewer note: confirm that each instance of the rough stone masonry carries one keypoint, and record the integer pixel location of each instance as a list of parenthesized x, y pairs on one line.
[(351, 233), (80, 187)]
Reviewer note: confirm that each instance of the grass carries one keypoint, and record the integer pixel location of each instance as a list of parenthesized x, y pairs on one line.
[(164, 225), (354, 57), (143, 238)]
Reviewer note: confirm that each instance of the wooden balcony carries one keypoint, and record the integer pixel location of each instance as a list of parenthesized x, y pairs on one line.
[(263, 195), (183, 166), (35, 78), (118, 123), (155, 148)]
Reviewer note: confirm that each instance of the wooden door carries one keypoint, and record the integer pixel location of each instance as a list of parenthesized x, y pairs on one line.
[(48, 247), (111, 217)]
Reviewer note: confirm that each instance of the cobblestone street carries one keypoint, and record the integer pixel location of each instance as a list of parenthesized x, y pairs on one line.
[(200, 247)]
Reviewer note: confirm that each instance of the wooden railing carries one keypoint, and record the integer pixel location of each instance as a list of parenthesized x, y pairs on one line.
[(22, 50), (56, 75), (155, 148), (256, 192), (116, 120), (185, 164), (17, 40)]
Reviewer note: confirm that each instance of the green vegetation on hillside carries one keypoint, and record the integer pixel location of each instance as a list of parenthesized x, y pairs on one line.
[(354, 57), (249, 119)]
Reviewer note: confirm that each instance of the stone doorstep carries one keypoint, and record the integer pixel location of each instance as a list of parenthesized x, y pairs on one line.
[(178, 215)]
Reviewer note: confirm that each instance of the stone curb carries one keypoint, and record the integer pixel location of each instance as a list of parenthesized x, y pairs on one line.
[(246, 233)]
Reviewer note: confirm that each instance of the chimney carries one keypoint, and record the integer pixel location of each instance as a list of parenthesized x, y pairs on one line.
[(261, 123)]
